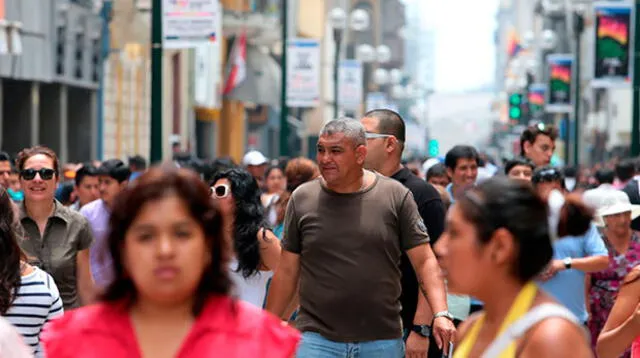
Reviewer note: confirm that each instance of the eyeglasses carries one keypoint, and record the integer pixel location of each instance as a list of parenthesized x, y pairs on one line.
[(30, 174), (220, 191), (370, 135)]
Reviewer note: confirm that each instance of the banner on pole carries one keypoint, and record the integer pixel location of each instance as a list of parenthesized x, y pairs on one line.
[(560, 68), (350, 85), (186, 23), (535, 98), (303, 73), (612, 44)]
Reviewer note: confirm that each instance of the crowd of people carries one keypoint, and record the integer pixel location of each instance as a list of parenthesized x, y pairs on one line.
[(358, 254)]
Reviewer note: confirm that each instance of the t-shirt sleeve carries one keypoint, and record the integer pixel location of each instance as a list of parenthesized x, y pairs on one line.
[(413, 231), (593, 244), (85, 235), (291, 240)]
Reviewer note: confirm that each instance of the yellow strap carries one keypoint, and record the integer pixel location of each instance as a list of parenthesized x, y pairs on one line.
[(519, 307)]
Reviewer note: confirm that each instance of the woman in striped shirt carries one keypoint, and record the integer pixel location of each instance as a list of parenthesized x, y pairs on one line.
[(29, 297)]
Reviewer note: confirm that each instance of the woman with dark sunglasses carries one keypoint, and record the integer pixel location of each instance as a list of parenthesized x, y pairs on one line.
[(57, 238), (256, 248)]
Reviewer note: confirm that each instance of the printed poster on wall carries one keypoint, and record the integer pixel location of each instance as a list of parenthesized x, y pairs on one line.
[(612, 44), (303, 73), (559, 83), (535, 98), (186, 23), (350, 85)]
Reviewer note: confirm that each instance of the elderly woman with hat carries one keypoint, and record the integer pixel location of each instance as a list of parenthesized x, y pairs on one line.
[(614, 215)]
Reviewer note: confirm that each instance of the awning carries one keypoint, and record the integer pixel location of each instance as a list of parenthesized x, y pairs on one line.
[(262, 84)]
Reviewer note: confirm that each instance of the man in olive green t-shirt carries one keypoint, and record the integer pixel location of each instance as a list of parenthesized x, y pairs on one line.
[(344, 236)]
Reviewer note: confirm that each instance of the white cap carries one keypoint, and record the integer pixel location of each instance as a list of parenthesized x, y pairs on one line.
[(254, 158), (428, 164), (611, 202)]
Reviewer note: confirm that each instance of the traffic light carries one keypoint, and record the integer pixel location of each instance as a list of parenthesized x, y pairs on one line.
[(434, 148), (515, 106)]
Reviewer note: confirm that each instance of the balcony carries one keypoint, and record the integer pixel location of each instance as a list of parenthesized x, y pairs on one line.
[(260, 18)]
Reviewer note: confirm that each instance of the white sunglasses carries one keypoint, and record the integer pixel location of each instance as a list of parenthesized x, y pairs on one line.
[(220, 191)]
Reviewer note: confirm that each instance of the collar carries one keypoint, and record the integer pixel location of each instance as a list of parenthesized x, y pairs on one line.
[(59, 211)]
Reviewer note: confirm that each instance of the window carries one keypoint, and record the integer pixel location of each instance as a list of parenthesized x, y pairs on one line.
[(79, 55), (95, 61), (61, 33)]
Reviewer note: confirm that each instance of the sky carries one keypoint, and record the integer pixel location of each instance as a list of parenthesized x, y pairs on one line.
[(465, 54)]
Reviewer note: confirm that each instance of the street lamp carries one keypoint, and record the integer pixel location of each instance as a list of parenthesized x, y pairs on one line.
[(358, 21), (338, 19), (381, 77), (383, 54)]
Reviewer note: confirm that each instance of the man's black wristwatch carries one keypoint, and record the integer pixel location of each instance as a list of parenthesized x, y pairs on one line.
[(423, 330)]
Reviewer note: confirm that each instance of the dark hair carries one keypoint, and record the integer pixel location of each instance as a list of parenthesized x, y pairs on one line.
[(437, 170), (27, 153), (4, 157), (249, 218), (499, 202), (64, 191), (605, 176), (115, 169), (216, 166), (85, 171), (11, 253), (532, 132), (299, 171), (548, 174), (460, 152), (272, 168), (158, 183), (389, 122), (626, 169), (516, 162), (138, 161)]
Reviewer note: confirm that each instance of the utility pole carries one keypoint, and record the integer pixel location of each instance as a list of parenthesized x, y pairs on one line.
[(578, 22), (635, 124), (284, 111), (156, 82)]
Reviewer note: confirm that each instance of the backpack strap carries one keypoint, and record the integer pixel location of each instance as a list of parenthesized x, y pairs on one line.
[(521, 326)]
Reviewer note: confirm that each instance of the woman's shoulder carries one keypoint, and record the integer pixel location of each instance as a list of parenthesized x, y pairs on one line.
[(244, 325), (82, 330)]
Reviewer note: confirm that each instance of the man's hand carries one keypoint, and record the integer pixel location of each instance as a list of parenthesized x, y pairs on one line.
[(554, 267), (417, 346), (443, 331)]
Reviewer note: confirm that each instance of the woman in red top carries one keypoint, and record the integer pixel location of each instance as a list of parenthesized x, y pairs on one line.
[(170, 296)]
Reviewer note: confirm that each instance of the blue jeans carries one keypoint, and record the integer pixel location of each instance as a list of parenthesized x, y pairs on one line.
[(313, 345)]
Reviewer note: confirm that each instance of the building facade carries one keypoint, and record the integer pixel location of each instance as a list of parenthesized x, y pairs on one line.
[(48, 87)]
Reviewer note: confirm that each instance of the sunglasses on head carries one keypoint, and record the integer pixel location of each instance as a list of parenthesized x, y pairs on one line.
[(547, 176), (30, 174), (220, 191), (544, 128)]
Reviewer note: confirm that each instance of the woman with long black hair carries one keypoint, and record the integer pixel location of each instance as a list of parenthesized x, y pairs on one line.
[(256, 248), (28, 296)]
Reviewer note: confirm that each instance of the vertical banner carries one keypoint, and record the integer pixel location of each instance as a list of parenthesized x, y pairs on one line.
[(207, 71), (303, 73), (559, 83), (535, 98), (186, 23), (612, 44), (350, 85)]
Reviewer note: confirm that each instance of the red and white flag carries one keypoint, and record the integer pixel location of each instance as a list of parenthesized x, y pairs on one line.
[(238, 64)]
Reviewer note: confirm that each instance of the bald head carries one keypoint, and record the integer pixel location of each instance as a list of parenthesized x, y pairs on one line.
[(389, 122)]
